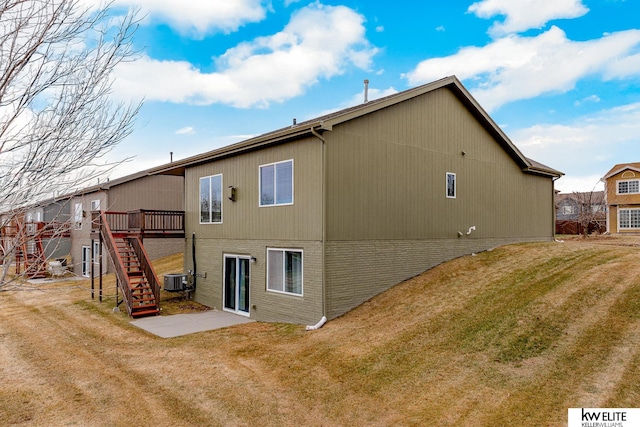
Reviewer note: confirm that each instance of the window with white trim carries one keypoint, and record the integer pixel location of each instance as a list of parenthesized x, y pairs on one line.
[(95, 205), (77, 216), (451, 185), (284, 271), (211, 199), (629, 218), (567, 209), (96, 252), (276, 184), (630, 186)]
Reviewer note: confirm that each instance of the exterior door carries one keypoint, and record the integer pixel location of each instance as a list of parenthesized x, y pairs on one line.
[(86, 261), (236, 284)]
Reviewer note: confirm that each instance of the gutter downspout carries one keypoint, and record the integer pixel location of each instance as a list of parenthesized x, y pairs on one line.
[(324, 230), (553, 207)]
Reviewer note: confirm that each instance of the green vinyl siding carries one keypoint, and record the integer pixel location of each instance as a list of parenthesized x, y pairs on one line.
[(386, 177), (244, 218)]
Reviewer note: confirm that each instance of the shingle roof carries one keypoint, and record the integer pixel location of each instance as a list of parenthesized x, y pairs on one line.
[(622, 166), (327, 121)]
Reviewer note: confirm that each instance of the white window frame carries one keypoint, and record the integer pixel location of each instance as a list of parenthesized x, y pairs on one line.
[(86, 269), (567, 210), (95, 252), (95, 205), (34, 215), (455, 185), (77, 216), (275, 181), (624, 227), (628, 182), (283, 267), (210, 178)]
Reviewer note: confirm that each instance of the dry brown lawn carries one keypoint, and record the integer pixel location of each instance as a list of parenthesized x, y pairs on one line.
[(513, 336)]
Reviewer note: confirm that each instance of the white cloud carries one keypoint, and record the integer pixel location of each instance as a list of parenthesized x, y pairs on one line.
[(579, 183), (522, 15), (585, 148), (589, 99), (319, 42), (515, 67), (188, 130), (199, 17), (591, 132)]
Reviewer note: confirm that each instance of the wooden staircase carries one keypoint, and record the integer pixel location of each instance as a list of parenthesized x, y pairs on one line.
[(135, 275), (143, 300), (30, 257)]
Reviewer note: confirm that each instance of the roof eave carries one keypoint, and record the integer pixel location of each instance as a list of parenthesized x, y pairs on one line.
[(617, 171)]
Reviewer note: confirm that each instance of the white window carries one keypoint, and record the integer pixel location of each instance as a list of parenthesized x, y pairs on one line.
[(451, 185), (284, 271), (629, 218), (631, 186), (95, 205), (77, 216), (96, 252), (211, 199), (276, 184), (34, 216), (567, 209)]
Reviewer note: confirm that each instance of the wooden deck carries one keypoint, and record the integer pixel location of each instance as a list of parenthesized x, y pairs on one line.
[(142, 223), (122, 233)]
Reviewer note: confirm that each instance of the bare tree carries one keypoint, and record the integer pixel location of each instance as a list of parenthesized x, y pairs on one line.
[(590, 210), (57, 120)]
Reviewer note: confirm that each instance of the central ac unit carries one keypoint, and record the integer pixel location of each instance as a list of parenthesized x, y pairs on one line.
[(175, 282)]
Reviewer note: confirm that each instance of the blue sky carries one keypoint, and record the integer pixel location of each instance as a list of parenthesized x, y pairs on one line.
[(561, 77)]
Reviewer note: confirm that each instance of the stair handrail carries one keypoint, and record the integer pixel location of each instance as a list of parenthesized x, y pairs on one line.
[(147, 268), (123, 278)]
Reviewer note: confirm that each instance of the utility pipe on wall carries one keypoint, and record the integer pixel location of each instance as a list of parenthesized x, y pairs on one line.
[(317, 325), (324, 231)]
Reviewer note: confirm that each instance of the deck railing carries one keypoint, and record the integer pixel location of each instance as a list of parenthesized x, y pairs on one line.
[(107, 235), (147, 268), (143, 221)]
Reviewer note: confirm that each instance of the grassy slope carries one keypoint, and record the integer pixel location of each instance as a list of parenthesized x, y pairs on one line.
[(513, 336)]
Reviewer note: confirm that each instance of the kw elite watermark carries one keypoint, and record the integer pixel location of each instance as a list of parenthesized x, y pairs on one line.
[(604, 417)]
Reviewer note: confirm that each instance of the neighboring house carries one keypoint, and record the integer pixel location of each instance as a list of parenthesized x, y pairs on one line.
[(135, 192), (37, 233), (316, 218), (575, 210), (55, 213), (622, 192)]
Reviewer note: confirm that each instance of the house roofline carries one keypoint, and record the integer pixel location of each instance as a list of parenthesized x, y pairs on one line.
[(328, 121), (619, 169)]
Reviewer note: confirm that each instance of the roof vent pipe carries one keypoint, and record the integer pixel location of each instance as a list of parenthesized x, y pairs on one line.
[(295, 122), (170, 156), (366, 91)]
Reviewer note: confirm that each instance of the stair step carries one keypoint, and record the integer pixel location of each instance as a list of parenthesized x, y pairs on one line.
[(143, 301), (143, 296), (142, 313)]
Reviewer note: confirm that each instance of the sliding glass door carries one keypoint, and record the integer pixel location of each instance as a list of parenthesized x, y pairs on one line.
[(236, 284)]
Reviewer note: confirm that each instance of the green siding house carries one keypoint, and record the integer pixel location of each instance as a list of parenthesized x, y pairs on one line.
[(311, 220)]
